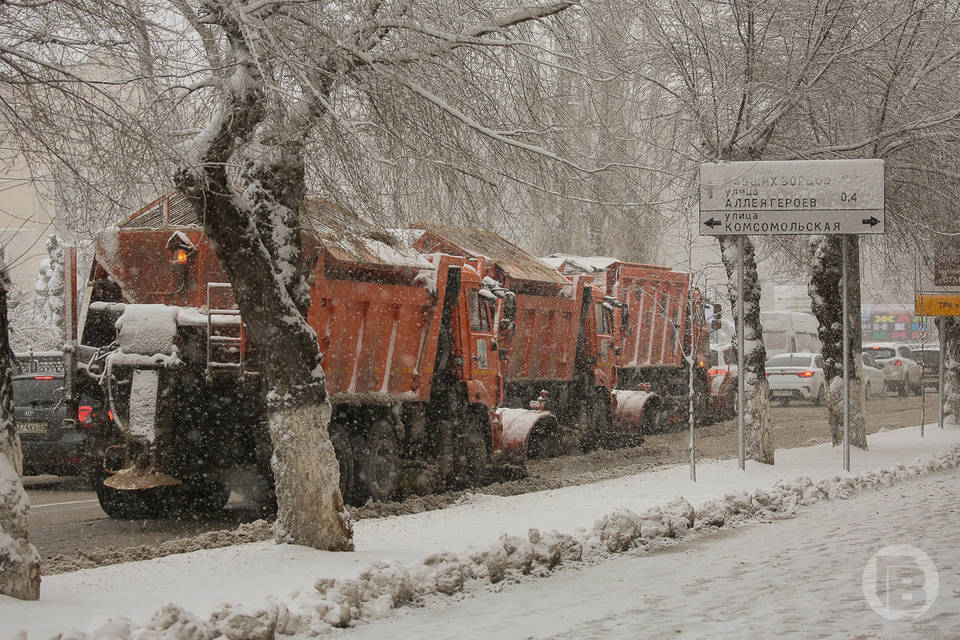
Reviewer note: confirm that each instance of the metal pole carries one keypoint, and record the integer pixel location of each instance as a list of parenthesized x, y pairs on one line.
[(741, 427), (690, 363), (923, 395), (70, 330), (940, 381), (846, 363)]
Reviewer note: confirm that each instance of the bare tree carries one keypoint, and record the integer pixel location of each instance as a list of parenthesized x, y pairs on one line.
[(758, 80), (737, 69), (337, 99), (892, 98)]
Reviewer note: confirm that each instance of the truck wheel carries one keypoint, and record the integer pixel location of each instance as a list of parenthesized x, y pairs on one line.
[(603, 419), (589, 438), (472, 454), (138, 504), (378, 462), (905, 387), (344, 451), (204, 496), (546, 440)]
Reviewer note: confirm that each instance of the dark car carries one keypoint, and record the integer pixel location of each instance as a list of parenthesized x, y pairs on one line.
[(930, 361), (49, 444)]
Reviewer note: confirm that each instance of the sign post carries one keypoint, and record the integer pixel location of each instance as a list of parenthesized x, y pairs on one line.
[(792, 198), (741, 440), (939, 304), (940, 377)]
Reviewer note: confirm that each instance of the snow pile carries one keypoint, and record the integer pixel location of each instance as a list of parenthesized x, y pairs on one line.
[(108, 242), (144, 390), (147, 329), (255, 531), (385, 585)]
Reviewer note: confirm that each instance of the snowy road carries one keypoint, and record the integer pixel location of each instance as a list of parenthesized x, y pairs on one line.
[(791, 578)]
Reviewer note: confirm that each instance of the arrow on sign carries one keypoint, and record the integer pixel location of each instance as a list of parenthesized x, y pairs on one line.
[(870, 221), (716, 223)]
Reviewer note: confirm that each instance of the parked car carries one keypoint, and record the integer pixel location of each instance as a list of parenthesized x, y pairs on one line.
[(900, 366), (722, 376), (49, 443), (930, 363), (40, 362), (796, 376), (874, 380)]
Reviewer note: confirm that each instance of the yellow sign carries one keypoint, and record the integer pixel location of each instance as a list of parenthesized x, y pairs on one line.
[(937, 304)]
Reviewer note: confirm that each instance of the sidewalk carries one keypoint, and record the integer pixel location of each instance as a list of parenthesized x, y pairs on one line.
[(246, 575)]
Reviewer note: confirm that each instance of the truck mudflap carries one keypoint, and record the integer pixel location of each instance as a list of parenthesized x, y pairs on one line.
[(532, 434), (634, 411)]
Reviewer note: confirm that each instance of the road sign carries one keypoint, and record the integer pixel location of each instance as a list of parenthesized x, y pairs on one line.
[(937, 304), (946, 270), (791, 197)]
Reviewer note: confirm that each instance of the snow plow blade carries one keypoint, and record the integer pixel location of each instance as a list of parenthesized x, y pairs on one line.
[(131, 478), (528, 433), (635, 410)]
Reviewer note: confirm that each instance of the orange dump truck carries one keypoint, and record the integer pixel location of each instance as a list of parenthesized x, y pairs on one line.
[(558, 337), (653, 335), (409, 351)]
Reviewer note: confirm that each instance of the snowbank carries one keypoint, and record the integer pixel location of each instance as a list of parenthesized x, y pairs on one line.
[(283, 589)]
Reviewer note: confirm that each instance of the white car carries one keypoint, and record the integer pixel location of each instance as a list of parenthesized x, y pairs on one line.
[(900, 367), (874, 380), (797, 376)]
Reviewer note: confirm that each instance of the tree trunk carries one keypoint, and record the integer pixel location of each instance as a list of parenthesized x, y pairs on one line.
[(306, 474), (758, 440), (253, 221), (19, 560), (826, 300), (950, 328)]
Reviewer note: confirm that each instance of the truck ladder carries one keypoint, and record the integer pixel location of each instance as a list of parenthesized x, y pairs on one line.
[(226, 341)]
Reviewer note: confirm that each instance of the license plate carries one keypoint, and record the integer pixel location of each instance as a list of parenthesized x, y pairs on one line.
[(32, 427), (782, 392)]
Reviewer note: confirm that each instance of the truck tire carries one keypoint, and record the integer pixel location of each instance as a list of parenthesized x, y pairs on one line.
[(138, 504), (203, 496), (378, 462), (344, 451), (905, 387), (603, 420), (472, 452), (586, 426)]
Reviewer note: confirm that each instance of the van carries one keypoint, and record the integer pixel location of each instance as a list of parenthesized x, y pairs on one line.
[(789, 332)]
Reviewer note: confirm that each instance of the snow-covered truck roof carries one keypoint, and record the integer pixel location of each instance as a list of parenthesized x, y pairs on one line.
[(579, 265), (494, 249), (346, 236)]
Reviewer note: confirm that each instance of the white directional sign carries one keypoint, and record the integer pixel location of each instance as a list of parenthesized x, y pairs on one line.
[(791, 197)]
